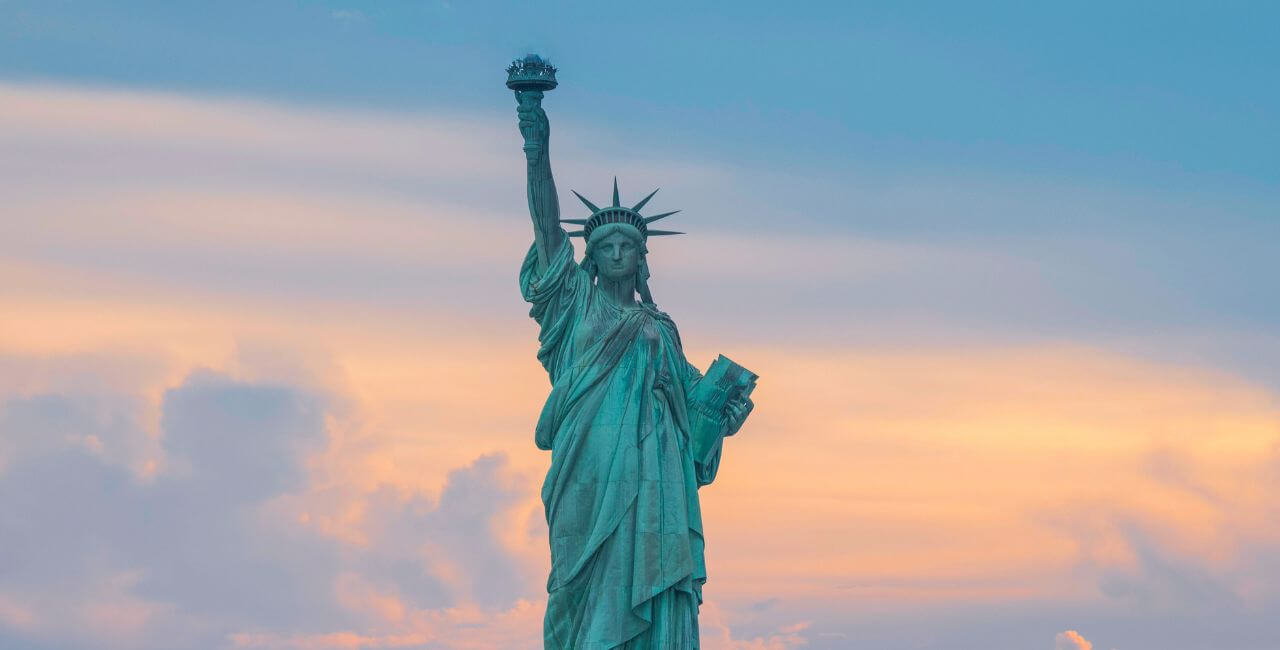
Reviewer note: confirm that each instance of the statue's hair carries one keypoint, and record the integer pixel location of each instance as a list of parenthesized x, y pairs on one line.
[(642, 271)]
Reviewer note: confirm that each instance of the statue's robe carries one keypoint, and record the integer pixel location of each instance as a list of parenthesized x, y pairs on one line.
[(621, 495)]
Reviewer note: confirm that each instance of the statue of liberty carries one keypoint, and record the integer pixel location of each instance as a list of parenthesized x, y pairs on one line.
[(633, 428)]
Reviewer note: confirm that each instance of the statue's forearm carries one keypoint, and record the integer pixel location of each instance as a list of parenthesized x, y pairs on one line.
[(544, 208)]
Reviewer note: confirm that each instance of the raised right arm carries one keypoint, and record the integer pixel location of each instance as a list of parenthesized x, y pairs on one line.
[(544, 205)]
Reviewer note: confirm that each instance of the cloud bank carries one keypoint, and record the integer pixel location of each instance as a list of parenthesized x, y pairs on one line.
[(265, 381)]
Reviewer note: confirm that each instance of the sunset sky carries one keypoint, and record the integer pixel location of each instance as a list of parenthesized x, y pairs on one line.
[(1008, 272)]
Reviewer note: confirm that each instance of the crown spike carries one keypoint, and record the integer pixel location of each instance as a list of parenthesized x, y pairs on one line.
[(659, 233), (616, 203), (577, 233), (659, 216), (576, 222), (645, 200), (590, 206)]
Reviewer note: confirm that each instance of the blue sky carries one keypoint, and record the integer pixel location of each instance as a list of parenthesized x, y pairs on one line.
[(1150, 93), (1157, 118)]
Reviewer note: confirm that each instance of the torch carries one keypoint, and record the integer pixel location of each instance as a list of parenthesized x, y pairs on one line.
[(529, 78)]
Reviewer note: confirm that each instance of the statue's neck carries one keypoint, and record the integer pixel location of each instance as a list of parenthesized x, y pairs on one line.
[(621, 292)]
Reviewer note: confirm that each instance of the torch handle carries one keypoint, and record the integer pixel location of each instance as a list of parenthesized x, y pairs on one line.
[(534, 125)]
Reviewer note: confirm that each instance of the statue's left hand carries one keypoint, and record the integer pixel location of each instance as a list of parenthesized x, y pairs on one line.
[(736, 413), (534, 125)]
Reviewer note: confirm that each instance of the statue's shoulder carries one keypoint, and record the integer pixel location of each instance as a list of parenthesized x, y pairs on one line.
[(658, 314), (665, 321)]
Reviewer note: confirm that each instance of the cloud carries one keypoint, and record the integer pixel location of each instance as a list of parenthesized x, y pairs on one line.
[(218, 200), (241, 441), (385, 513), (132, 559), (219, 544), (713, 622), (281, 430), (458, 541), (40, 424), (1071, 640)]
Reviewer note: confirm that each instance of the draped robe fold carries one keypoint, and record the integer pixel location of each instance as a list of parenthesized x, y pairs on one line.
[(621, 495)]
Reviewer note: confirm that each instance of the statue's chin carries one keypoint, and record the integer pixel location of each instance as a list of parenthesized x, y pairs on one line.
[(616, 276)]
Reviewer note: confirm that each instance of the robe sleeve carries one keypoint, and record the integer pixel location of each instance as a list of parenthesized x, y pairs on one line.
[(705, 473), (559, 296)]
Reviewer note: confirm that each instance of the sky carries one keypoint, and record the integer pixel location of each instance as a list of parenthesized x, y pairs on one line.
[(1007, 272)]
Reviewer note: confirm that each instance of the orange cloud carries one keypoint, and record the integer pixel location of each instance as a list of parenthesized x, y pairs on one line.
[(865, 474), (934, 475), (1071, 640)]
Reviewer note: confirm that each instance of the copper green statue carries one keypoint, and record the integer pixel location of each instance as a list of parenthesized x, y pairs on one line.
[(633, 428)]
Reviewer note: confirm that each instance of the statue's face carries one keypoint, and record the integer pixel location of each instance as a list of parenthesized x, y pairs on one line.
[(616, 255)]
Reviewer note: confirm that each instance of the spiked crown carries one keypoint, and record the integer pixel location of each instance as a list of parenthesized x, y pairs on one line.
[(616, 213)]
